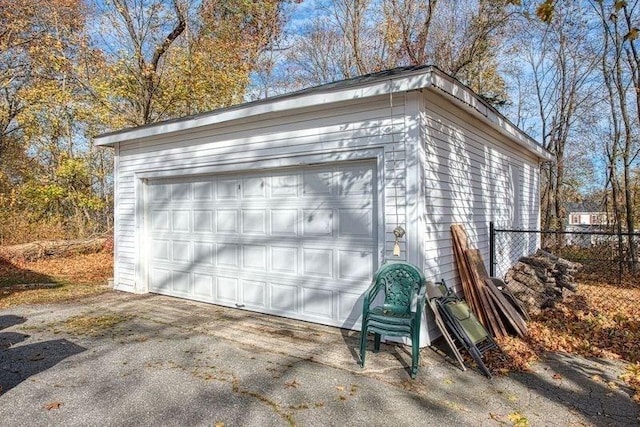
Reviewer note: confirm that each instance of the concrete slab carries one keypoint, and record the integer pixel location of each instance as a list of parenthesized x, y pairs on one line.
[(122, 359)]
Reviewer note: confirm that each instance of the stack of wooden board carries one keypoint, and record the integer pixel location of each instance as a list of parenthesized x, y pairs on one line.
[(499, 315)]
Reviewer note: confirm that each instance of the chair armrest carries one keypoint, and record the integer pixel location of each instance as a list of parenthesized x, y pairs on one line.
[(370, 294), (421, 298)]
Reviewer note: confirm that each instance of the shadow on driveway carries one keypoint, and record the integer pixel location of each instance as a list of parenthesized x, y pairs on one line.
[(17, 363)]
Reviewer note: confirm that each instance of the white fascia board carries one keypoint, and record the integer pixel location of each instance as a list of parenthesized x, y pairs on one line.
[(404, 83), (430, 78), (464, 97)]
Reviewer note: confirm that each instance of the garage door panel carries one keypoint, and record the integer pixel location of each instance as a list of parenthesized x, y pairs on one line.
[(294, 242), (202, 191), (227, 221), (227, 189), (160, 280), (317, 222), (228, 255), (254, 293), (227, 289), (160, 250), (203, 285), (180, 220), (317, 302), (284, 185), (284, 298), (181, 191), (284, 222), (317, 262), (355, 264), (355, 182), (254, 187), (254, 257), (160, 220), (284, 259), (159, 192), (181, 251), (254, 221), (203, 221), (355, 223), (349, 305), (203, 253), (317, 184), (180, 282)]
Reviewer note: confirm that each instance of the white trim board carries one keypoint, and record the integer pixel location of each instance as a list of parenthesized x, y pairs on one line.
[(423, 78)]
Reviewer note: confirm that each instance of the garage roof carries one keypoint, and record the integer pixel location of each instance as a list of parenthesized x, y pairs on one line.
[(396, 80)]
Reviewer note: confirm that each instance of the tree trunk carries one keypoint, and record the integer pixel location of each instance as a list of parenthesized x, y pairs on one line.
[(51, 248)]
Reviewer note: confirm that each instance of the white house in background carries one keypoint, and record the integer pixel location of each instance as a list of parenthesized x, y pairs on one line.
[(287, 205), (585, 217)]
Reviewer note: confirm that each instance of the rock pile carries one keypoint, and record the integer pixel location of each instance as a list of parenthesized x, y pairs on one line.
[(540, 280)]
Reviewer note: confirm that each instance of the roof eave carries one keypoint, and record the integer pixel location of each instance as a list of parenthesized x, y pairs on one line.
[(410, 81), (470, 102), (430, 78)]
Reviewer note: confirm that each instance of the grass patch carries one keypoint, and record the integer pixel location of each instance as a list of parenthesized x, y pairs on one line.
[(599, 320), (54, 280), (93, 325)]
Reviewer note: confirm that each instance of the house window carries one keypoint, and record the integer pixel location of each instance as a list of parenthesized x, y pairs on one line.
[(574, 220), (597, 219)]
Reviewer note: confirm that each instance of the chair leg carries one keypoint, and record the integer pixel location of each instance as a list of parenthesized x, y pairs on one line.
[(376, 343), (415, 353), (363, 345)]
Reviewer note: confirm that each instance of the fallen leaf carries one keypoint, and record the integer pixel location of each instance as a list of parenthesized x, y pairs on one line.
[(292, 384), (556, 376), (518, 419), (340, 388), (53, 405), (219, 424), (495, 417), (36, 357)]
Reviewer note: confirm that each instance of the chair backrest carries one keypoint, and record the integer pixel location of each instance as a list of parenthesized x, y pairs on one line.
[(400, 282)]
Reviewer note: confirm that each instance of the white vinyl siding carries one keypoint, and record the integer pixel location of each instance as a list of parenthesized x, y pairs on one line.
[(472, 176), (437, 155), (328, 133)]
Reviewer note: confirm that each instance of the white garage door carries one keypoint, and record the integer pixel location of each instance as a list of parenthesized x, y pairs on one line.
[(300, 243)]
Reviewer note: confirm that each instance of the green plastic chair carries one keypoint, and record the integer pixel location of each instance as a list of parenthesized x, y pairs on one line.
[(401, 283)]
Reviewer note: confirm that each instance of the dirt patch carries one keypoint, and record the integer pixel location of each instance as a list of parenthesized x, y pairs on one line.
[(54, 280)]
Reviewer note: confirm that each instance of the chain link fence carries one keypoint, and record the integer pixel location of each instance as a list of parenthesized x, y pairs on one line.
[(598, 316), (604, 257)]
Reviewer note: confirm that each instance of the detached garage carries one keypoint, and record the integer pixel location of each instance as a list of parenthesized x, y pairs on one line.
[(287, 205)]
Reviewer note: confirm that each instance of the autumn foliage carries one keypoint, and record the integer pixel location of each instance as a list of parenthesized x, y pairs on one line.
[(600, 320), (71, 69)]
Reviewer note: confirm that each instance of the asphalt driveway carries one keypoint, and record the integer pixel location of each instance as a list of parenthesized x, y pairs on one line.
[(122, 359)]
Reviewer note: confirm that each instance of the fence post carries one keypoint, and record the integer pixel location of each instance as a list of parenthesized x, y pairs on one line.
[(492, 249)]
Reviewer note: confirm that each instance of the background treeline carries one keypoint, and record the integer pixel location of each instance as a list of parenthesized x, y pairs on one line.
[(566, 71)]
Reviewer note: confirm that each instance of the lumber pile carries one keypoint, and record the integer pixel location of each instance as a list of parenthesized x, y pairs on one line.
[(499, 314), (540, 280), (52, 248)]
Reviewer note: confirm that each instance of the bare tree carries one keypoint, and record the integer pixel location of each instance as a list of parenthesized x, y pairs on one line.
[(347, 38), (619, 67), (561, 63), (140, 22)]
